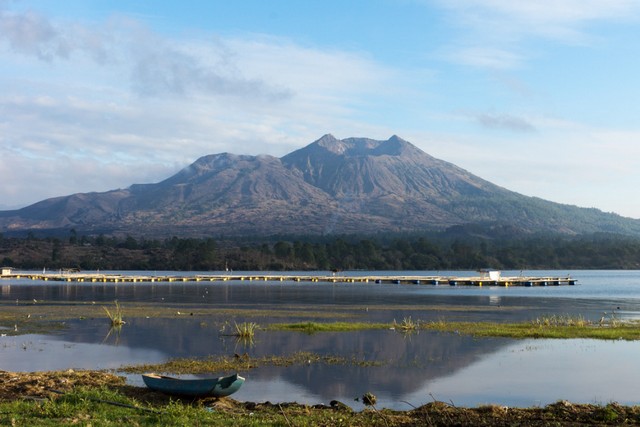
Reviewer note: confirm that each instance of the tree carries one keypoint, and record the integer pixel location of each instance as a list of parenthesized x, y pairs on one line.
[(73, 236), (130, 243), (282, 249)]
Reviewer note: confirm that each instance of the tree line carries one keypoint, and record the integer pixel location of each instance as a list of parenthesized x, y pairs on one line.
[(403, 252)]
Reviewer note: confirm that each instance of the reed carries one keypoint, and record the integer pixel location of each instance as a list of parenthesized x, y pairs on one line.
[(560, 320), (116, 317), (610, 319), (245, 330), (407, 325)]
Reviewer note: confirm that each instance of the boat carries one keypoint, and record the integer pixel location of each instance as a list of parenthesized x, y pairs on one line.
[(200, 387)]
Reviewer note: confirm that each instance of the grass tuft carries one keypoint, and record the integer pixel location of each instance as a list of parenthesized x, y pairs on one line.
[(407, 325), (246, 330), (115, 317), (559, 320)]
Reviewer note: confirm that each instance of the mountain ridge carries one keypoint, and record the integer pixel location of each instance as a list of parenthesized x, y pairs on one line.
[(331, 186)]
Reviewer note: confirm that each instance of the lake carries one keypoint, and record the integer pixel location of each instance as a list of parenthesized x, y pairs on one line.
[(415, 369)]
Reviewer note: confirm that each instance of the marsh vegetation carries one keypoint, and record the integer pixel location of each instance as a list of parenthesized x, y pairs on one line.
[(39, 316), (245, 362), (559, 327), (115, 316)]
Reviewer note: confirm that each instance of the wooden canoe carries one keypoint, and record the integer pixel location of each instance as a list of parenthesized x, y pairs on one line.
[(202, 387)]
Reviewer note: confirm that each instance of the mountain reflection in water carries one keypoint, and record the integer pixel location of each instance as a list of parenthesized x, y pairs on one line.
[(415, 368)]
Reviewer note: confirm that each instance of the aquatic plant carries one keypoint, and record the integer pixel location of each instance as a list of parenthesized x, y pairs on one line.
[(245, 362), (560, 320), (313, 327), (440, 324), (610, 319), (115, 317), (562, 327), (243, 333), (407, 325), (245, 330)]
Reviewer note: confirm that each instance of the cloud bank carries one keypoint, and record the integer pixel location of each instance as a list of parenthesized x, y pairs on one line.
[(115, 103)]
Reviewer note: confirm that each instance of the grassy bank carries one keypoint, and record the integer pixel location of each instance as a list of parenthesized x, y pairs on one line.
[(244, 363), (100, 399), (558, 327)]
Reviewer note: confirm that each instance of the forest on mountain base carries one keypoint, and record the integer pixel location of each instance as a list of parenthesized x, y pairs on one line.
[(387, 252)]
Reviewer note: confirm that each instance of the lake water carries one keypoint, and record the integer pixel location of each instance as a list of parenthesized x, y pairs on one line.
[(416, 368)]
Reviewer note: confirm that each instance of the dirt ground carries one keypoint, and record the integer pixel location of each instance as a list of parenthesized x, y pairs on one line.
[(49, 385)]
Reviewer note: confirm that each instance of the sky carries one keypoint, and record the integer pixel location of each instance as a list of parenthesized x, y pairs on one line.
[(540, 97)]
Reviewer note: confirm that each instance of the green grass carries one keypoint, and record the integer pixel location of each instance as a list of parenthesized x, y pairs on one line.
[(108, 407), (97, 407), (244, 363), (87, 407), (551, 327), (313, 327), (555, 326)]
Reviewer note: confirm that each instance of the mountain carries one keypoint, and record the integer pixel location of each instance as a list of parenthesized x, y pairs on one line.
[(353, 185)]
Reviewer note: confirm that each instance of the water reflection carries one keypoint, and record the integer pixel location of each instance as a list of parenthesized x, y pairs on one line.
[(527, 373), (538, 372), (41, 353), (499, 303), (450, 367), (408, 364)]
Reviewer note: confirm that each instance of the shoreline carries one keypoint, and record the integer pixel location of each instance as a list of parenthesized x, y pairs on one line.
[(100, 396)]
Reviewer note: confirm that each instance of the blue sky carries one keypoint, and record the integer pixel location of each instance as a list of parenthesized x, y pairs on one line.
[(538, 97)]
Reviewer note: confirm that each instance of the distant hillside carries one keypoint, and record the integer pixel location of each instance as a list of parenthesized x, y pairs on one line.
[(354, 185)]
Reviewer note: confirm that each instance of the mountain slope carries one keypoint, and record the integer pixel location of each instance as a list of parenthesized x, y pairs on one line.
[(354, 185), (388, 177)]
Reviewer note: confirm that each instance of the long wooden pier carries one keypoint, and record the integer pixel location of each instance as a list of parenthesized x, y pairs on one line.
[(330, 278)]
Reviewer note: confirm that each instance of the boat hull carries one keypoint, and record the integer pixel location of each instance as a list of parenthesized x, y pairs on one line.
[(205, 387)]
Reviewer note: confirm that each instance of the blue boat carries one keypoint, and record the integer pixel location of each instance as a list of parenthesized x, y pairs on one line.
[(200, 387)]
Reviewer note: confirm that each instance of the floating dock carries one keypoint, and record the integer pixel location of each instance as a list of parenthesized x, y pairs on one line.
[(331, 278)]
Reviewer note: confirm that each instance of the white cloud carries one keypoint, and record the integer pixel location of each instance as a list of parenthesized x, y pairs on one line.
[(557, 19), (127, 105), (486, 57), (161, 67), (494, 30), (563, 161), (504, 121)]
